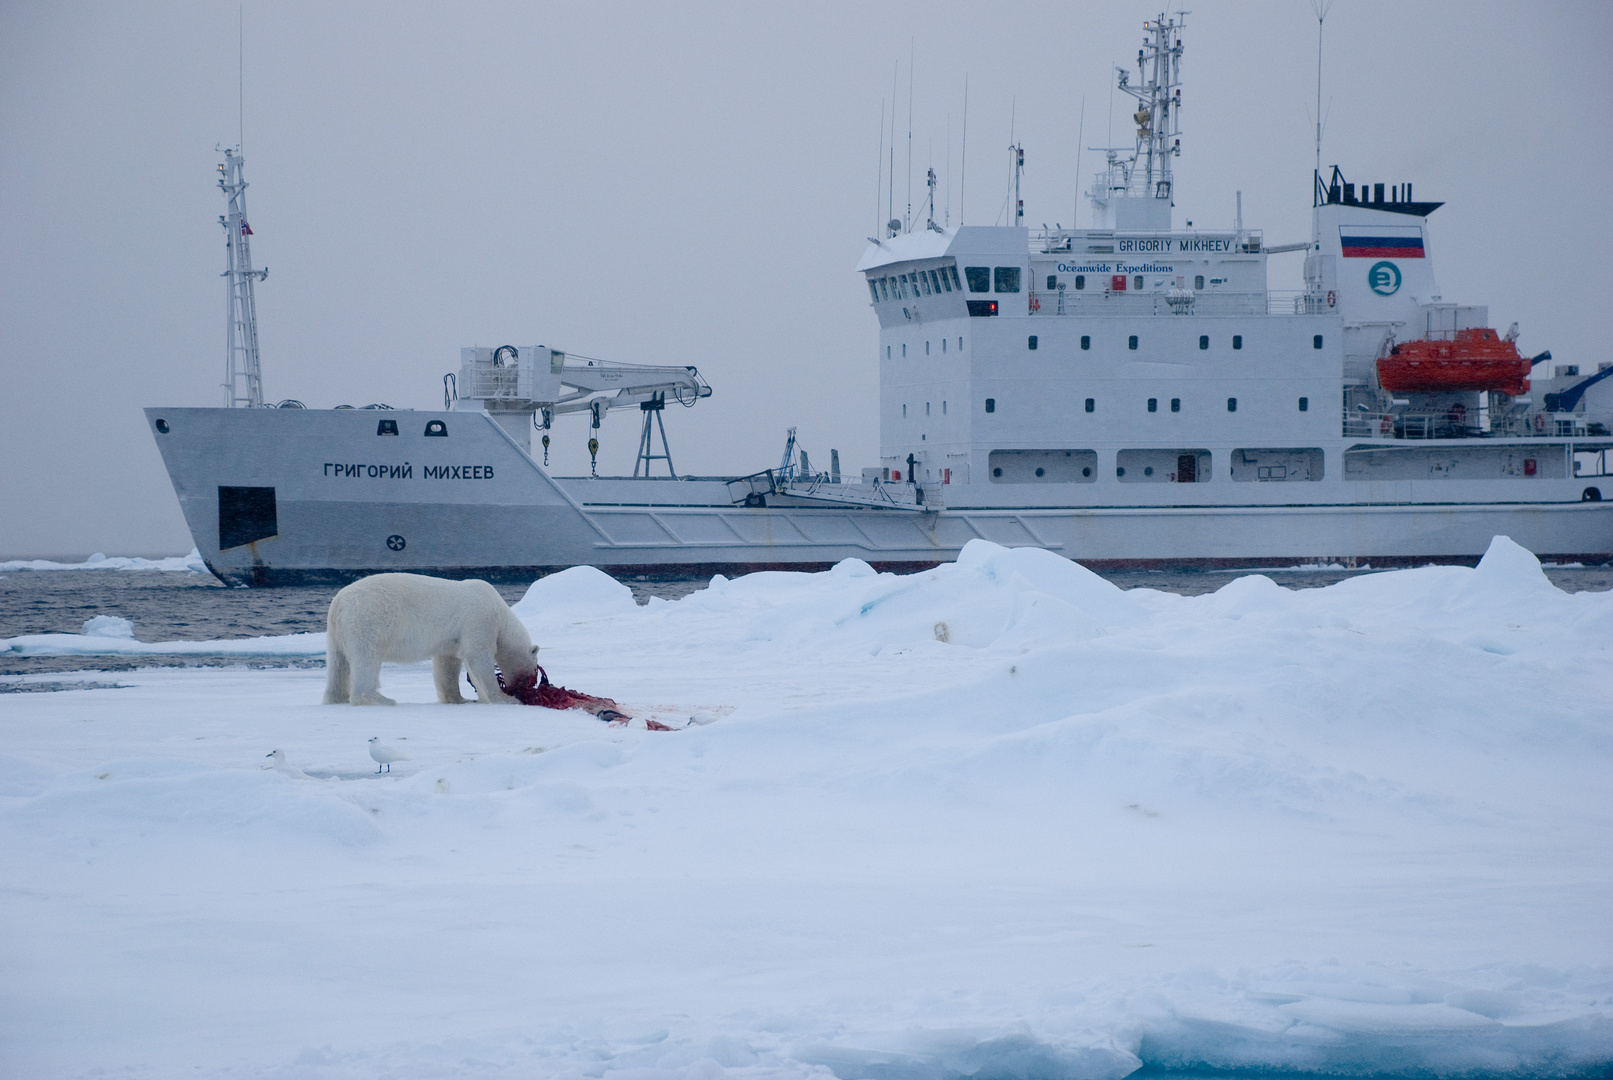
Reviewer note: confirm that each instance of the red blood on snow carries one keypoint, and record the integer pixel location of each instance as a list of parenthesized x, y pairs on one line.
[(536, 689)]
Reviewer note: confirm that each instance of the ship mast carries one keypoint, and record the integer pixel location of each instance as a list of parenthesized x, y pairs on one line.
[(243, 379), (1136, 192)]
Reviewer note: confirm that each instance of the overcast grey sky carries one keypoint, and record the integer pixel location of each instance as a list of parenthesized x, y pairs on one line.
[(686, 184)]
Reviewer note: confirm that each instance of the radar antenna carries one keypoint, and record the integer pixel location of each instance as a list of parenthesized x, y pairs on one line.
[(243, 379)]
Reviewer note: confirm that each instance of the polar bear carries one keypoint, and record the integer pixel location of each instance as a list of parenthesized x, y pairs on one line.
[(406, 618)]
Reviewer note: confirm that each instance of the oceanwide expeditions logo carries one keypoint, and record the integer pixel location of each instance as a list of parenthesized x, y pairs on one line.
[(1384, 278)]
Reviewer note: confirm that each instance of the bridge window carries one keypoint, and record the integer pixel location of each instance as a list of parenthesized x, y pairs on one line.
[(885, 288), (952, 272), (979, 278), (873, 290), (1007, 278)]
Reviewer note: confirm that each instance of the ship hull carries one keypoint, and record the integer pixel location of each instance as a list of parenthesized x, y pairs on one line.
[(277, 497)]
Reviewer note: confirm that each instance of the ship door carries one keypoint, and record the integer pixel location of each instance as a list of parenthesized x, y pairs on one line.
[(1187, 468)]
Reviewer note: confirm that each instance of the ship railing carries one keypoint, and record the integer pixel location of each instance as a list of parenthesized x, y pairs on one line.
[(1296, 302), (1094, 303), (1089, 243), (487, 381), (1411, 425)]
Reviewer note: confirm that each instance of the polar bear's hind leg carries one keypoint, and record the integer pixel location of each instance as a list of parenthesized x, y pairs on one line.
[(366, 667), (337, 676)]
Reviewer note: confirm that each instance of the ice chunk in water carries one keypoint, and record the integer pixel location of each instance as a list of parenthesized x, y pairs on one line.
[(108, 626)]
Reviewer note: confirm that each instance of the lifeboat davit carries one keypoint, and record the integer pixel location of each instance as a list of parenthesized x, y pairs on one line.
[(1476, 360)]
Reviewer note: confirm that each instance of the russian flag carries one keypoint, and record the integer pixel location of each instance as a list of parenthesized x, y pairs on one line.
[(1381, 242)]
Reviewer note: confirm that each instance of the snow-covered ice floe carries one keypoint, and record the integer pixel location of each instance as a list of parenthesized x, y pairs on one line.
[(996, 819), (99, 561)]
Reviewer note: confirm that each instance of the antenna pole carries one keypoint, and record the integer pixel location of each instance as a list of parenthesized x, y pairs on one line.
[(243, 378), (240, 78), (963, 164), (879, 173), (890, 175), (1080, 142), (907, 218), (1320, 7)]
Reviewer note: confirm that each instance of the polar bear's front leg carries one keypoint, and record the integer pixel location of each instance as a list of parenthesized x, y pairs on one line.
[(485, 679), (445, 672)]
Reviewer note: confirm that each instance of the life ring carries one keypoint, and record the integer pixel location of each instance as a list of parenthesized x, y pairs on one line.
[(1386, 425), (1540, 421), (1036, 305), (1332, 298)]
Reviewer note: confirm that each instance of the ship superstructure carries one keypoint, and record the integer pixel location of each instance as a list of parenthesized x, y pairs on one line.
[(1127, 393)]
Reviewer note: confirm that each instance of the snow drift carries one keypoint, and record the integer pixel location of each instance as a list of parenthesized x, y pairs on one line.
[(996, 819)]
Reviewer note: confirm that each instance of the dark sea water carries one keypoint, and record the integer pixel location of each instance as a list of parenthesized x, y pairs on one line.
[(182, 606)]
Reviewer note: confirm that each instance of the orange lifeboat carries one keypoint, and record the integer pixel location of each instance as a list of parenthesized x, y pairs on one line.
[(1476, 360)]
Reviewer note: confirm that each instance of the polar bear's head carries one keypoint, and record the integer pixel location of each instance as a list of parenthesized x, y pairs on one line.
[(516, 656)]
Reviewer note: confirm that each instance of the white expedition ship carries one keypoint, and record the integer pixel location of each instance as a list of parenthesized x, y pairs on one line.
[(1126, 395)]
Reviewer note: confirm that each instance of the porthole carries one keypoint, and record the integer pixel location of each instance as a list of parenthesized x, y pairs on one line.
[(1153, 404), (1086, 341), (1237, 341), (1120, 470), (1204, 341), (1304, 404), (1131, 342), (1091, 404), (1148, 470), (1040, 471), (162, 426), (1086, 470), (996, 472)]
